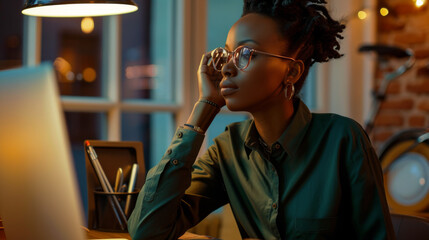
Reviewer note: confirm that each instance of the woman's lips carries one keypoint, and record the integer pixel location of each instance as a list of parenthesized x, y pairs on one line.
[(225, 91), (227, 87)]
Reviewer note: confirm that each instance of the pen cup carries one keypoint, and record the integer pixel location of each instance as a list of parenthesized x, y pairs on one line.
[(105, 218)]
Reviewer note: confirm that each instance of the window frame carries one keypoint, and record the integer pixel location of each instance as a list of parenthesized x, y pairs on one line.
[(187, 48)]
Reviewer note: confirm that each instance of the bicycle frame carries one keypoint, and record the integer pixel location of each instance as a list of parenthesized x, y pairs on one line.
[(380, 95)]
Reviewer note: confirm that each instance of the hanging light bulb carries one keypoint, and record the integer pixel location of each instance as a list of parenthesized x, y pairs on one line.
[(77, 8), (87, 25)]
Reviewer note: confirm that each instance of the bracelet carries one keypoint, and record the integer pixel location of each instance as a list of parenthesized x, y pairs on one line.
[(195, 128), (209, 102)]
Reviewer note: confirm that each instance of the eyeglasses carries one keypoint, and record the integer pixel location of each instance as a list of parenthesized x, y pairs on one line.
[(241, 57)]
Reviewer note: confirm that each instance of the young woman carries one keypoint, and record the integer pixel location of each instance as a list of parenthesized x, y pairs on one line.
[(287, 173)]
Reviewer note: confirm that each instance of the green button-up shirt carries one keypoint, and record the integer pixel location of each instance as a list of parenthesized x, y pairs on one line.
[(320, 180)]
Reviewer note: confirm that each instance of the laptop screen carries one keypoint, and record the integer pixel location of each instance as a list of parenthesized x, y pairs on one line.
[(38, 188)]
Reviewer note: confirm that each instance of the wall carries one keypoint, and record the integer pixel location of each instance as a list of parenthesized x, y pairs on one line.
[(343, 85), (407, 103)]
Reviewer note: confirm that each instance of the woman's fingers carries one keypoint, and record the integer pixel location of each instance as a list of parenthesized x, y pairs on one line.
[(209, 79), (205, 59)]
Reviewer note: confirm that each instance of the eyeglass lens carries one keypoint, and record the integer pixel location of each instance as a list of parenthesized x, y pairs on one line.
[(241, 57), (219, 58)]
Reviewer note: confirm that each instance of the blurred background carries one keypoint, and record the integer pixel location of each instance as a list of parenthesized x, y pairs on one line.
[(133, 77)]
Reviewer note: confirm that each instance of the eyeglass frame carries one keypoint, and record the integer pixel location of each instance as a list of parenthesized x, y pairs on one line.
[(252, 50)]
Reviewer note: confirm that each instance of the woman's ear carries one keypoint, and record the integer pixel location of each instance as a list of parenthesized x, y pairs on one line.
[(296, 69)]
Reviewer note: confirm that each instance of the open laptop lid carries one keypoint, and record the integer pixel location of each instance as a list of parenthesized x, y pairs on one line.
[(38, 190)]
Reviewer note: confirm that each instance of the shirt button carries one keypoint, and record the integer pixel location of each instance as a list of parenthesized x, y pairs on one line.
[(169, 151), (277, 146), (175, 161), (275, 205), (180, 135)]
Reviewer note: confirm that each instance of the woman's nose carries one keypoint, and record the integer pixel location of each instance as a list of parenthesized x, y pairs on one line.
[(229, 68)]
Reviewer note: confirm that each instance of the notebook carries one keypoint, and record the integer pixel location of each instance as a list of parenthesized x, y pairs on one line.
[(39, 197)]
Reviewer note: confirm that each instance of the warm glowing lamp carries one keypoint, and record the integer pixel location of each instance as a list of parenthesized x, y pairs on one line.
[(77, 8), (420, 3)]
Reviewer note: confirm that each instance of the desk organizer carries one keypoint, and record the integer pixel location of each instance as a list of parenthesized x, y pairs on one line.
[(112, 156)]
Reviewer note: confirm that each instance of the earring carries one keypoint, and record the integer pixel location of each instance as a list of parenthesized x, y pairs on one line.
[(290, 94)]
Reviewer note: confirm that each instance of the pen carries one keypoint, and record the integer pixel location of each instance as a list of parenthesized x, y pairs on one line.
[(119, 179), (120, 216), (131, 185)]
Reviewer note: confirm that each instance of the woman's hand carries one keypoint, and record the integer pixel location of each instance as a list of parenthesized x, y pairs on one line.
[(208, 81)]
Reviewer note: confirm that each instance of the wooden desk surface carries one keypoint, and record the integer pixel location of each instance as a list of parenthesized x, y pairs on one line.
[(93, 234)]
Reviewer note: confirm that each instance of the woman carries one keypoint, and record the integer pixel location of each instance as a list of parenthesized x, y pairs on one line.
[(287, 173)]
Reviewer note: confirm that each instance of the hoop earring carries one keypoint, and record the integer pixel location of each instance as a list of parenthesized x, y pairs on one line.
[(290, 94)]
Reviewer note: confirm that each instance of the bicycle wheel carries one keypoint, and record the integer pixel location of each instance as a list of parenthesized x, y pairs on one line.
[(406, 173)]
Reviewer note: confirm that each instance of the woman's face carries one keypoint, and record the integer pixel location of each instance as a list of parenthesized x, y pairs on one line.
[(261, 83)]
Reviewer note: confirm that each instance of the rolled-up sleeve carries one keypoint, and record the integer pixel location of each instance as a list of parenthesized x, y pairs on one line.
[(163, 210)]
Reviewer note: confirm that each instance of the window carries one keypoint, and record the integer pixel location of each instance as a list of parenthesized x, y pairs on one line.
[(115, 76), (11, 37)]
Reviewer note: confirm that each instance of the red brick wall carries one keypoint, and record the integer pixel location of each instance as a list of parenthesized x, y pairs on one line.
[(407, 102)]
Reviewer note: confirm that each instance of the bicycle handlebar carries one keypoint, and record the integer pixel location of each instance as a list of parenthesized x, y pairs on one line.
[(386, 50)]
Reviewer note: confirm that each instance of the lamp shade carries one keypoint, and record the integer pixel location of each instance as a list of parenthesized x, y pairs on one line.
[(77, 8)]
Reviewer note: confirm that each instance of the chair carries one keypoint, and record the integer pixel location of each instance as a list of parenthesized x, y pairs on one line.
[(410, 227)]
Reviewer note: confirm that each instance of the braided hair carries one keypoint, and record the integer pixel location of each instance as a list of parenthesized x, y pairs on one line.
[(306, 25)]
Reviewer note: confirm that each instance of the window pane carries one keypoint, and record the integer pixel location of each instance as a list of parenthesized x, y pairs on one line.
[(147, 40), (218, 27), (11, 25), (82, 126), (74, 46), (220, 122), (155, 130)]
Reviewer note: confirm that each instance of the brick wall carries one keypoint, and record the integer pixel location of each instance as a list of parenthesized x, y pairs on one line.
[(407, 102)]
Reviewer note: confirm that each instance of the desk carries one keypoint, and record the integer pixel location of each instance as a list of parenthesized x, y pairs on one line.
[(93, 234)]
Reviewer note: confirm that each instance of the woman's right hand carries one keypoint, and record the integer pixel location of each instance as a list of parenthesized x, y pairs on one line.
[(208, 81)]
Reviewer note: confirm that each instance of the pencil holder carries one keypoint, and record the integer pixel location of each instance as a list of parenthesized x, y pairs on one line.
[(112, 156), (105, 217)]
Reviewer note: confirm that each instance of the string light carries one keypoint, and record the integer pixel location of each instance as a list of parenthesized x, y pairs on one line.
[(362, 15), (384, 11)]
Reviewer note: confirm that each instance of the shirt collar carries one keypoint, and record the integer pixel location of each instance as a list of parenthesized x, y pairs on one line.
[(291, 138), (251, 139)]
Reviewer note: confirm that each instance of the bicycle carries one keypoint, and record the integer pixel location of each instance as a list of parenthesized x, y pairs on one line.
[(404, 157)]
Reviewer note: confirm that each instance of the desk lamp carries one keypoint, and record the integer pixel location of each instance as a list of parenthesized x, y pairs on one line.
[(77, 8)]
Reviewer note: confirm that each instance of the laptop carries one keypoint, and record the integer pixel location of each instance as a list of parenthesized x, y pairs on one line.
[(39, 197)]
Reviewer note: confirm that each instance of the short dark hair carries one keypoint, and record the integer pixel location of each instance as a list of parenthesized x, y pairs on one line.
[(305, 24)]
